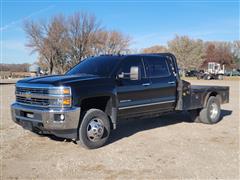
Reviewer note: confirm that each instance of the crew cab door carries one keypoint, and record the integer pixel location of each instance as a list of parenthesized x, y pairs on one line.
[(163, 86), (132, 93)]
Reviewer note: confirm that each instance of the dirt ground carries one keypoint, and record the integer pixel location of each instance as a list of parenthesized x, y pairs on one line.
[(166, 147)]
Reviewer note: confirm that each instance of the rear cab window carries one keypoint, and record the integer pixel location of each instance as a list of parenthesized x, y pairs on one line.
[(158, 69)]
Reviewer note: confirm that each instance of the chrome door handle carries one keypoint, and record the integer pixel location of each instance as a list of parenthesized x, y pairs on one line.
[(146, 84), (171, 82)]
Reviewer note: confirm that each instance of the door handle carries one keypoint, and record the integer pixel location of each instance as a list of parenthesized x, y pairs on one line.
[(146, 84), (171, 82)]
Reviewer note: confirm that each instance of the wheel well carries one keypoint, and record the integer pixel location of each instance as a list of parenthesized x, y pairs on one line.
[(95, 102), (213, 93), (103, 103)]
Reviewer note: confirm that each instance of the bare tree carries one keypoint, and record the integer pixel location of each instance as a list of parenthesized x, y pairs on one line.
[(50, 41), (15, 67), (220, 52), (57, 42), (236, 52), (189, 52), (110, 42), (82, 29), (36, 34), (155, 49), (63, 42), (60, 43)]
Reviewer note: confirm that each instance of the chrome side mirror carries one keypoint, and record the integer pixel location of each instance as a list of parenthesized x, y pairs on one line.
[(134, 73)]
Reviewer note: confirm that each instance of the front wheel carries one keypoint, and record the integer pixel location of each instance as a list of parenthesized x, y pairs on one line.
[(94, 129)]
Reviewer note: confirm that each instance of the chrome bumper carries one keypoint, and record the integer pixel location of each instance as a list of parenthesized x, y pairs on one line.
[(45, 118)]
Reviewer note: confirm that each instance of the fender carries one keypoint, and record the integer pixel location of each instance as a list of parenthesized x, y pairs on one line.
[(111, 106), (208, 94)]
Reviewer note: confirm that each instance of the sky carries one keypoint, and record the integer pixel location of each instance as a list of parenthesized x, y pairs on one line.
[(148, 23)]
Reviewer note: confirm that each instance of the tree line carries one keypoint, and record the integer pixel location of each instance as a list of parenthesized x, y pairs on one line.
[(15, 67), (195, 53), (64, 41)]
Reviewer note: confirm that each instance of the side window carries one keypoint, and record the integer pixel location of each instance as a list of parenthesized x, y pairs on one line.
[(156, 67), (129, 62)]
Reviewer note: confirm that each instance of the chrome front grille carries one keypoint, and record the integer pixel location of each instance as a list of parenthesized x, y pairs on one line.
[(20, 90), (43, 95), (32, 101), (32, 96)]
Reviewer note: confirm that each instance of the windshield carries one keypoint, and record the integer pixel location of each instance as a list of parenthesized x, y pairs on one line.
[(101, 66)]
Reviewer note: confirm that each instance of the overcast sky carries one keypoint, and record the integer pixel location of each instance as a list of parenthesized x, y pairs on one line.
[(147, 22)]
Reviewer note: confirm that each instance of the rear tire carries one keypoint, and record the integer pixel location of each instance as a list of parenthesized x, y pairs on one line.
[(94, 129), (194, 115), (211, 113)]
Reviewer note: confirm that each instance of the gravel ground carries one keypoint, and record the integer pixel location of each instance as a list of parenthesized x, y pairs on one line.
[(164, 147)]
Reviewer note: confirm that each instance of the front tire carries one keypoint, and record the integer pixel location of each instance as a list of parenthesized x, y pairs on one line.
[(211, 113), (94, 129)]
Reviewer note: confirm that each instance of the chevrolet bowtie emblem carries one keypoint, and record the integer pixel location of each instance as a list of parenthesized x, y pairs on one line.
[(28, 95)]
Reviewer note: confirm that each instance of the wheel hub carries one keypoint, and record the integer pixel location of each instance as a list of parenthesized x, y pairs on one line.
[(213, 110), (95, 130)]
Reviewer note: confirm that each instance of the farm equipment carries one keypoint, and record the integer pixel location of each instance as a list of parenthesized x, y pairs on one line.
[(214, 71)]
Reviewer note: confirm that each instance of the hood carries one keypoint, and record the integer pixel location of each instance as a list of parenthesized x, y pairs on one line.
[(58, 79)]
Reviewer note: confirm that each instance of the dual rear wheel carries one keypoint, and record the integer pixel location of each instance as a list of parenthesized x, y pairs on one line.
[(208, 115)]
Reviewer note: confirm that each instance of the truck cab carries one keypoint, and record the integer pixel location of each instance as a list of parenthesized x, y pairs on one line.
[(87, 102)]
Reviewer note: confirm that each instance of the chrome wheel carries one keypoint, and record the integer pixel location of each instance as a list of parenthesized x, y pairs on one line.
[(213, 111), (95, 129)]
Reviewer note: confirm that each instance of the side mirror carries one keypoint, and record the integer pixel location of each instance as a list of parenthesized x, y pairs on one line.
[(134, 73)]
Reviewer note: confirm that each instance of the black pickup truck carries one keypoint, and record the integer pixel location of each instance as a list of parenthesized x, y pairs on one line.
[(88, 101)]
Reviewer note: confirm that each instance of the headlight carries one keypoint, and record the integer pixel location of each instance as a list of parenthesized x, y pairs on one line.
[(60, 102), (61, 97), (60, 91)]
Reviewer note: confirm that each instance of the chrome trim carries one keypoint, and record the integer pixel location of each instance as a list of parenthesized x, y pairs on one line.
[(127, 100), (42, 106), (148, 104), (71, 120), (43, 96), (146, 84)]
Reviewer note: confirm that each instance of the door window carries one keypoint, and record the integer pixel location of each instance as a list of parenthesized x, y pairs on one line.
[(130, 62), (156, 67)]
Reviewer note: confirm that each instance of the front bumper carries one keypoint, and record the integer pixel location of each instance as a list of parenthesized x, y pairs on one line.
[(44, 120)]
